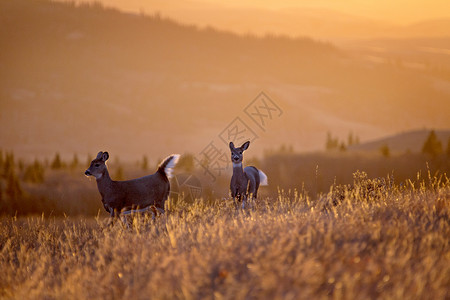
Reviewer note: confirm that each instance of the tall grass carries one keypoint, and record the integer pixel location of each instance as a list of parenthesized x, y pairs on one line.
[(395, 245)]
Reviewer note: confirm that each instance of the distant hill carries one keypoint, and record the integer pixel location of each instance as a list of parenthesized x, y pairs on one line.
[(429, 28), (80, 78), (319, 23), (411, 141)]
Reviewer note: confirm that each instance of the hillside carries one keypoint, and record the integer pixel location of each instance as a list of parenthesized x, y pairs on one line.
[(325, 22), (411, 141), (83, 78)]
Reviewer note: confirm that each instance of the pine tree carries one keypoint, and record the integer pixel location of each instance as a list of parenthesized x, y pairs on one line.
[(186, 162), (13, 189), (351, 139), (385, 151), (75, 162), (144, 163), (331, 143), (34, 173), (432, 145), (57, 162), (119, 174), (1, 197), (8, 165), (448, 148)]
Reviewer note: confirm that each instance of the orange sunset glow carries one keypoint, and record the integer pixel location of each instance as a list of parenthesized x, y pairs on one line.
[(398, 12), (106, 73), (304, 18), (241, 149)]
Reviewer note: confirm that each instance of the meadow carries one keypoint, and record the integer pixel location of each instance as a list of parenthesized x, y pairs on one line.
[(81, 77), (379, 240)]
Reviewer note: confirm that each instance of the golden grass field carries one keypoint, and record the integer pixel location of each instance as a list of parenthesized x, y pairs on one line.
[(379, 242)]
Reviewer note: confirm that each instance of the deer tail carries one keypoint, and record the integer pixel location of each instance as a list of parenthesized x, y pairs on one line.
[(262, 178), (166, 167)]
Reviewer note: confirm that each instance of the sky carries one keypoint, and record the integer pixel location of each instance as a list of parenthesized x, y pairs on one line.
[(400, 12)]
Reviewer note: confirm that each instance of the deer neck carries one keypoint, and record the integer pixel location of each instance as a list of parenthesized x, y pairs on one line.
[(237, 169), (104, 182)]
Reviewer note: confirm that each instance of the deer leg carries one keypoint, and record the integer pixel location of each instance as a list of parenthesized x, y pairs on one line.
[(234, 195), (251, 190), (124, 220), (154, 212), (244, 201), (111, 217)]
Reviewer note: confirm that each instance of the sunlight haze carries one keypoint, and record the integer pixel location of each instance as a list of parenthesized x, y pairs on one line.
[(397, 12), (327, 20), (170, 76)]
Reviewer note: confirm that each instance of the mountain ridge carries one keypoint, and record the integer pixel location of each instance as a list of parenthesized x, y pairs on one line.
[(79, 78), (409, 141)]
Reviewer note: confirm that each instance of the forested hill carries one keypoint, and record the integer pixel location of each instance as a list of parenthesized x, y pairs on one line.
[(83, 78)]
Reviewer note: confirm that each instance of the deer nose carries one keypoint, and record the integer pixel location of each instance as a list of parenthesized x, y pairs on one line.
[(87, 173)]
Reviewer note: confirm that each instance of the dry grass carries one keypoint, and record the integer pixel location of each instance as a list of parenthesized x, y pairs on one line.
[(391, 246)]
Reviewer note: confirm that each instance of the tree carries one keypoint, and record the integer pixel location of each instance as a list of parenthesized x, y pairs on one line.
[(118, 175), (331, 143), (351, 139), (186, 162), (57, 162), (34, 173), (448, 148), (144, 163), (385, 151), (1, 198), (8, 165), (286, 149), (75, 162), (432, 145), (13, 189)]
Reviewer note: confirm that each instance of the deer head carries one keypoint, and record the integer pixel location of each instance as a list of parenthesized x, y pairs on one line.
[(237, 154), (98, 165)]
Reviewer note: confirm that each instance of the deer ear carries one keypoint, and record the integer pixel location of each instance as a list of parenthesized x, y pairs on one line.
[(99, 155), (105, 156), (231, 145), (245, 145)]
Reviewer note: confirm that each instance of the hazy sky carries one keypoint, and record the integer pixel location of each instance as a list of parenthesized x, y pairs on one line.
[(394, 11)]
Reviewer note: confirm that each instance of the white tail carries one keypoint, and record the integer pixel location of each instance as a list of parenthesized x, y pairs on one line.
[(262, 178), (169, 163)]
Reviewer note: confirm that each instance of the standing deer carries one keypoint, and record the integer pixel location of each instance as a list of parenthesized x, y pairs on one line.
[(136, 195), (245, 181)]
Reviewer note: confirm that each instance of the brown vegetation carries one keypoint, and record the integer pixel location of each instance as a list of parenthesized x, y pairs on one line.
[(394, 246)]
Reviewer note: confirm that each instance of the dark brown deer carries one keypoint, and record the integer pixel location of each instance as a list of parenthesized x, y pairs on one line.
[(245, 181), (137, 195)]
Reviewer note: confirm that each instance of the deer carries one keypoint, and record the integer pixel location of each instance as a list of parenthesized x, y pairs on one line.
[(245, 182), (136, 195)]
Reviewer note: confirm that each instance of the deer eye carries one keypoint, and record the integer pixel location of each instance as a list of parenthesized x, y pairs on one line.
[(97, 165)]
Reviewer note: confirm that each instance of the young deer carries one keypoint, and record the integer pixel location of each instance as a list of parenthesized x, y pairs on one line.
[(245, 181), (136, 195)]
